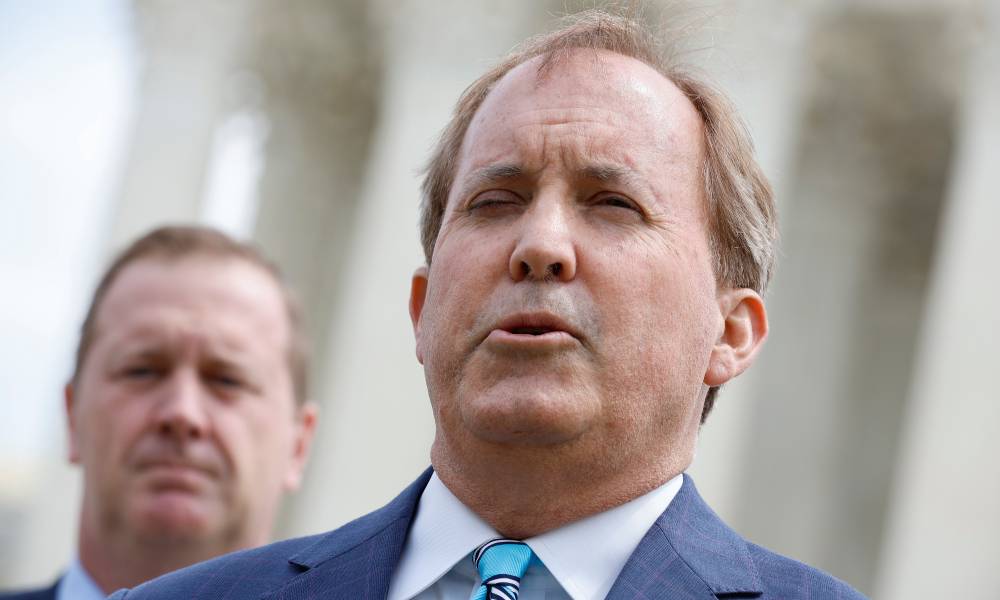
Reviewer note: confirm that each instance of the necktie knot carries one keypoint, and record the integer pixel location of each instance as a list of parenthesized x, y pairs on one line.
[(501, 564)]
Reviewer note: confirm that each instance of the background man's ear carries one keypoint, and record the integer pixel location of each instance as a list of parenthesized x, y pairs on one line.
[(306, 429), (418, 293), (73, 448), (743, 332)]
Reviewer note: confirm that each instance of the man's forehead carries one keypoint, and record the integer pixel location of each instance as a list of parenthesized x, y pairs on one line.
[(603, 116), (164, 339), (193, 277), (229, 293), (588, 78), (621, 97)]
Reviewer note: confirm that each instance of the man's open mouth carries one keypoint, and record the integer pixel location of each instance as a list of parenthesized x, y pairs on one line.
[(547, 328), (531, 330)]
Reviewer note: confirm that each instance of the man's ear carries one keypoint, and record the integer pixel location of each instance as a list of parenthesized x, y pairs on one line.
[(418, 293), (744, 328), (305, 430), (73, 447)]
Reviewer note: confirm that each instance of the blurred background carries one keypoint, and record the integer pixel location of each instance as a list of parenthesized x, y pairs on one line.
[(866, 440)]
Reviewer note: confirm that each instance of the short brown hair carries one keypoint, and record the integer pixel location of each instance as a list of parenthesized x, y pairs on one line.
[(173, 242), (742, 216)]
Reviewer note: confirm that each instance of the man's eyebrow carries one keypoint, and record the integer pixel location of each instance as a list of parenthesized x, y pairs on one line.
[(609, 174), (619, 176), (143, 352), (605, 173), (492, 173), (217, 361), (489, 174)]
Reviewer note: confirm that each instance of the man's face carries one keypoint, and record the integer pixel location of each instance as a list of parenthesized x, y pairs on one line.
[(183, 414), (571, 300)]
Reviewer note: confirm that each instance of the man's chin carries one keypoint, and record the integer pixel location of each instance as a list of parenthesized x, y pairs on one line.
[(526, 422), (526, 435), (529, 411), (175, 516)]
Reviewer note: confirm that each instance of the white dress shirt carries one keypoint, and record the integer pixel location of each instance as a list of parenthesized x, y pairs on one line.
[(580, 561), (77, 584)]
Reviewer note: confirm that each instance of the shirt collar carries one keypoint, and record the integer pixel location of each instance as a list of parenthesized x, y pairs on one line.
[(444, 531), (585, 556), (77, 584)]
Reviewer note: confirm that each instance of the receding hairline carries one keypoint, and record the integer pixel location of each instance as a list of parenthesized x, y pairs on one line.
[(684, 129), (632, 41), (209, 258), (548, 64), (288, 317)]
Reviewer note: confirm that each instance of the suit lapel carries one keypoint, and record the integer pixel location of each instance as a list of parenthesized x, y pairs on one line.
[(357, 560), (689, 553)]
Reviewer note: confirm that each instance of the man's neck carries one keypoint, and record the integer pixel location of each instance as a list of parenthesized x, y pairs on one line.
[(526, 492), (116, 564)]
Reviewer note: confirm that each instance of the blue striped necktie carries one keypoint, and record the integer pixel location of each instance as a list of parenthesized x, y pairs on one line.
[(501, 565)]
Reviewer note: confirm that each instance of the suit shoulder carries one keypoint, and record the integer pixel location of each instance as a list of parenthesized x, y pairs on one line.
[(787, 578), (47, 593)]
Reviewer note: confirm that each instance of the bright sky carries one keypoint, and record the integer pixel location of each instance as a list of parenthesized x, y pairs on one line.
[(68, 70)]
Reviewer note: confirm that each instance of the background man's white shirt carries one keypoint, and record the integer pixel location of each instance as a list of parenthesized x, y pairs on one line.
[(581, 560), (76, 584)]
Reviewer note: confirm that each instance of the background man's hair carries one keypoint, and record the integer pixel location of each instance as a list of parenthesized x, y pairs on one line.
[(742, 216), (176, 242)]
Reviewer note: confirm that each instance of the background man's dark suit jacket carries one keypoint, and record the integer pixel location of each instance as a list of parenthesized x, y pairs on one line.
[(48, 593), (688, 554)]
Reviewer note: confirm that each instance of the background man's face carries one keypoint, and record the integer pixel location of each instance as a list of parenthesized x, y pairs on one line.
[(183, 414), (596, 168)]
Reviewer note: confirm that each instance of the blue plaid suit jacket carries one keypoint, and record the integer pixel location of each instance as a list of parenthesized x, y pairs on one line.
[(688, 554)]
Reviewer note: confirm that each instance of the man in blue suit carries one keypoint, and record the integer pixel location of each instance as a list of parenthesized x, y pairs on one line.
[(598, 238), (187, 410)]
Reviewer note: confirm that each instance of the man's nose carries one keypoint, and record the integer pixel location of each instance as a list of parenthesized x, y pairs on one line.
[(182, 411), (545, 250)]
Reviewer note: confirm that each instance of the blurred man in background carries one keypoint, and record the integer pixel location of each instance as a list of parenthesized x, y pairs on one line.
[(187, 410), (598, 238)]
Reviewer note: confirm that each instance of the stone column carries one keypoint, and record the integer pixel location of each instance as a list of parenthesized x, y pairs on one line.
[(188, 55), (943, 527), (867, 181), (318, 67)]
